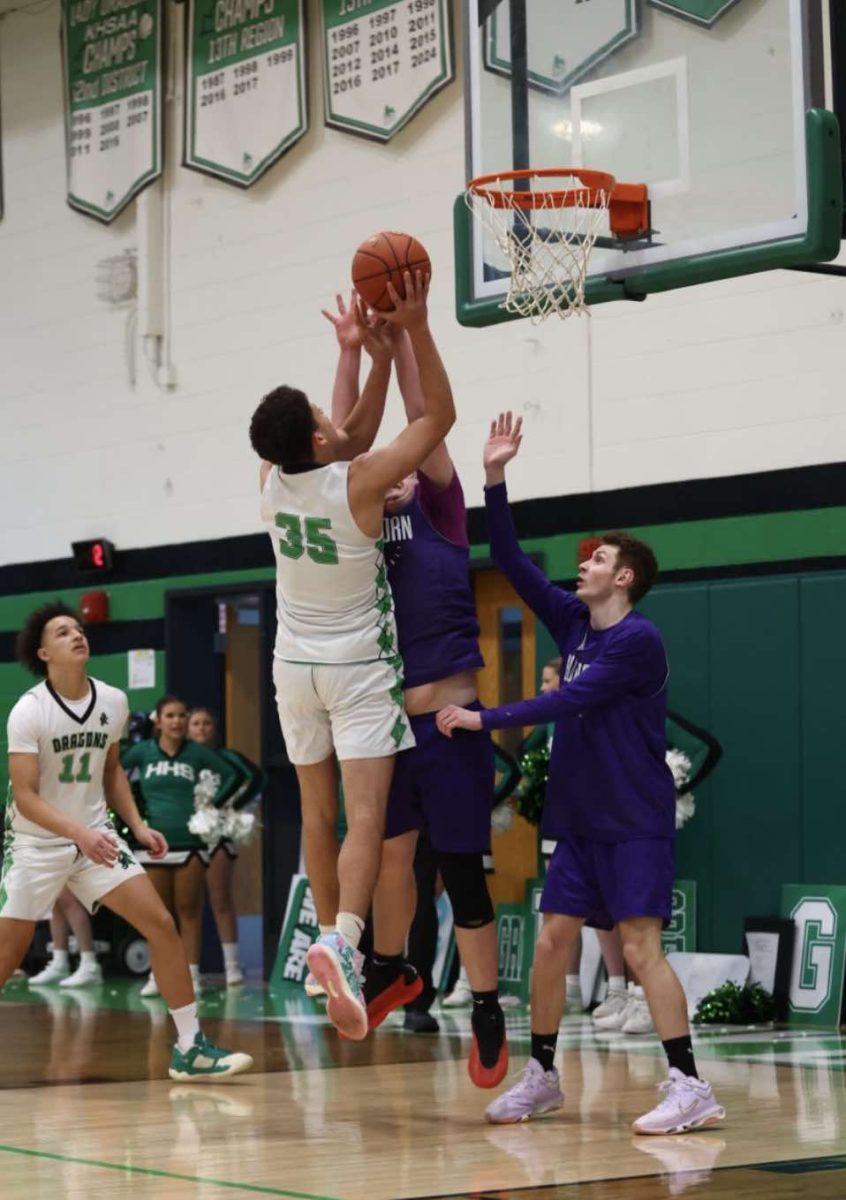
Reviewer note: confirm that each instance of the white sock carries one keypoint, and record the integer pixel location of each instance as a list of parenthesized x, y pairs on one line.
[(637, 991), (87, 958), (324, 929), (187, 1025), (616, 983), (194, 968), (230, 953), (350, 927), (60, 958), (573, 985)]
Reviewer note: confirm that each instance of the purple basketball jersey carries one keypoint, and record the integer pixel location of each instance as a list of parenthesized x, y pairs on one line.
[(429, 575)]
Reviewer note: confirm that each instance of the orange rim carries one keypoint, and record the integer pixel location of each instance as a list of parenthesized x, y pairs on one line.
[(595, 190)]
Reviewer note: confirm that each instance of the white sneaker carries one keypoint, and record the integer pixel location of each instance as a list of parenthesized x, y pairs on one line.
[(84, 974), (614, 1021), (638, 1017), (689, 1104), (234, 975), (613, 1003), (150, 988), (461, 994), (52, 973)]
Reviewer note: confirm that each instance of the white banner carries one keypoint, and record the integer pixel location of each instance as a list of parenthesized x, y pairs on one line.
[(245, 101), (383, 61), (112, 62)]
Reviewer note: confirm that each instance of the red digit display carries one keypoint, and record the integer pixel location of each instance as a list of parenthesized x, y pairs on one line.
[(98, 558)]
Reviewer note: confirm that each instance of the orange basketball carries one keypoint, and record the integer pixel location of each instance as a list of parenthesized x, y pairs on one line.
[(381, 260)]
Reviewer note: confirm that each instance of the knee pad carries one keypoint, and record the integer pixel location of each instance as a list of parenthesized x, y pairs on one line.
[(466, 886)]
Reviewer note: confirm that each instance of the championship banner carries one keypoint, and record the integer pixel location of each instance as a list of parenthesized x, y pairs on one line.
[(245, 101), (112, 58), (383, 61), (566, 39)]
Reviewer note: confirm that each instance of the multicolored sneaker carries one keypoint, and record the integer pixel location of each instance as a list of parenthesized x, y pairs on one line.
[(536, 1092), (337, 968), (312, 987), (206, 1061), (688, 1104)]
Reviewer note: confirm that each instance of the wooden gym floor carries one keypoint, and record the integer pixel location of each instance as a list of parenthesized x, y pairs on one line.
[(87, 1111)]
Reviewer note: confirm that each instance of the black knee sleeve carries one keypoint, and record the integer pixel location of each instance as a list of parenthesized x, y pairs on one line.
[(464, 880)]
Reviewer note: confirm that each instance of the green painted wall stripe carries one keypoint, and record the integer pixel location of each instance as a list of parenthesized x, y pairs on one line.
[(128, 1169), (729, 541), (684, 545), (135, 601)]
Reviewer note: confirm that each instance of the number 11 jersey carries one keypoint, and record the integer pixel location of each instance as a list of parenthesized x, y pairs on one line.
[(333, 601), (71, 739)]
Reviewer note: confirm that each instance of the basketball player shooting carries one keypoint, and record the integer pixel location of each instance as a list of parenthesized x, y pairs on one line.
[(337, 669)]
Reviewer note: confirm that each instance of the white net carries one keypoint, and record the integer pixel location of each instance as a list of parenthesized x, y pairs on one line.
[(547, 242)]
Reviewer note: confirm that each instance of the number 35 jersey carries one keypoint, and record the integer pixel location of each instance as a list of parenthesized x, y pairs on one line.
[(71, 739), (333, 601)]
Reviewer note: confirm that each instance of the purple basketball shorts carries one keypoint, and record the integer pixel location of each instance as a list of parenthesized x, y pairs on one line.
[(445, 786), (606, 882)]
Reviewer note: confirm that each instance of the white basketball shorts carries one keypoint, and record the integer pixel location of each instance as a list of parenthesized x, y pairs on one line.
[(33, 876), (355, 709)]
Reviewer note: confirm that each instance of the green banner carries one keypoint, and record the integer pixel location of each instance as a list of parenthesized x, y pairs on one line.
[(819, 953), (516, 946), (299, 929), (680, 934), (245, 91), (703, 12), (565, 39), (112, 64), (382, 61)]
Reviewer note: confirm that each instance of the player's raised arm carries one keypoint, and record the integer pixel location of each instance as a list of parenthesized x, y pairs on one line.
[(348, 335), (438, 466), (358, 430), (374, 473)]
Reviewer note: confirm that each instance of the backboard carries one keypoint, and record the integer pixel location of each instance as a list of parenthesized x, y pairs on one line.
[(723, 108)]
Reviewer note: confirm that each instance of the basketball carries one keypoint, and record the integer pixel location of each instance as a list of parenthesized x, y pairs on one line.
[(381, 260)]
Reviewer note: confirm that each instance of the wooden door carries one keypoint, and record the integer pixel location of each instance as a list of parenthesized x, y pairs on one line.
[(507, 641)]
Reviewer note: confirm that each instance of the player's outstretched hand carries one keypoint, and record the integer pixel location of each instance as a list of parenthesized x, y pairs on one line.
[(347, 329), (151, 840), (376, 335), (503, 443), (453, 717), (99, 846), (410, 310)]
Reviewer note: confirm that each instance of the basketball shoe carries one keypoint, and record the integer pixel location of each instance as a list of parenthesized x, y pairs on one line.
[(337, 968), (206, 1061), (86, 973), (383, 994), (688, 1104), (609, 1017), (461, 995), (638, 1018), (488, 1062), (613, 1003), (536, 1092), (52, 973), (150, 988)]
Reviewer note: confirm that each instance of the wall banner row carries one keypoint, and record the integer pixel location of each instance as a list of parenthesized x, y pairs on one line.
[(245, 84)]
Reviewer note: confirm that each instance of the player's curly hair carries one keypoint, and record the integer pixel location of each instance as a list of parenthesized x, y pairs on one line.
[(28, 641), (633, 553), (282, 427)]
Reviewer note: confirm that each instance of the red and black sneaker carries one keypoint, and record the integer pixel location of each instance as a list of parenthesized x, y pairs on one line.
[(382, 998), (488, 1064)]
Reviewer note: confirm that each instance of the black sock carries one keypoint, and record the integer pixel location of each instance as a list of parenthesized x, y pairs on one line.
[(488, 1024), (486, 1002), (679, 1053), (543, 1049)]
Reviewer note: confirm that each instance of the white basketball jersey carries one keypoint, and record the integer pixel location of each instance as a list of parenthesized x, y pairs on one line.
[(71, 742), (333, 601)]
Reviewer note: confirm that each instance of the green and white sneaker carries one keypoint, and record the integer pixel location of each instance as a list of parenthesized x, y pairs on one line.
[(205, 1061)]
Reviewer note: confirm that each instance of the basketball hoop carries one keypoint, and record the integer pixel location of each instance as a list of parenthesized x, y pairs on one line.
[(547, 234)]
